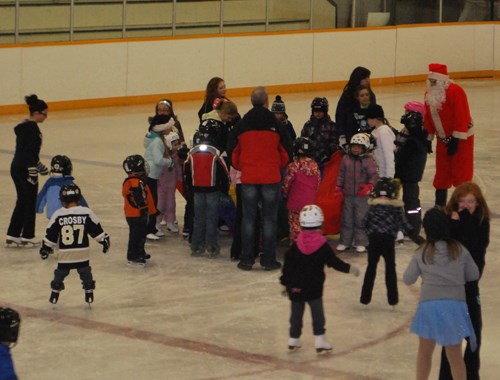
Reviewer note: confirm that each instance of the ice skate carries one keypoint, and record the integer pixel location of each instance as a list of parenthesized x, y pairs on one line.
[(172, 228), (54, 296), (30, 242), (294, 344), (12, 242), (360, 249), (141, 263), (322, 346), (152, 237), (342, 248), (89, 296)]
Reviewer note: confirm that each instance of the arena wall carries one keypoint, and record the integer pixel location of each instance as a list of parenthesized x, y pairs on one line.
[(117, 72)]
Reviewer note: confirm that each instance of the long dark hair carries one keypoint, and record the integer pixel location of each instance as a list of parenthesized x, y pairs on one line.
[(211, 91), (357, 75)]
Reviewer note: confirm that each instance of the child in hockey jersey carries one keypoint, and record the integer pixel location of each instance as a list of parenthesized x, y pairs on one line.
[(279, 110), (303, 277), (138, 207), (206, 173), (167, 185), (68, 229), (357, 177), (300, 184), (381, 223), (61, 169)]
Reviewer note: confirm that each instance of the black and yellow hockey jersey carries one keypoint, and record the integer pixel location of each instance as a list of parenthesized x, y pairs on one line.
[(69, 229)]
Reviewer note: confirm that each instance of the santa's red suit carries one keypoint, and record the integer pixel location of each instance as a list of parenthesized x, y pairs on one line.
[(451, 119)]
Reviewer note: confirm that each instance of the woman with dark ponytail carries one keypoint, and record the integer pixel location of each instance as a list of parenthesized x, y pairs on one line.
[(24, 171)]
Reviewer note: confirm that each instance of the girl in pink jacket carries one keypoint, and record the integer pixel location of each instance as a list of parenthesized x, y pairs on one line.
[(167, 184), (300, 184)]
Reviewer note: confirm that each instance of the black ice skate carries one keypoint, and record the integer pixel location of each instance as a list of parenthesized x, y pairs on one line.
[(89, 296), (54, 296)]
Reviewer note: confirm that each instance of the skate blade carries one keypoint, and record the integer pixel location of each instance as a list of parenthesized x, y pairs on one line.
[(12, 244), (323, 351)]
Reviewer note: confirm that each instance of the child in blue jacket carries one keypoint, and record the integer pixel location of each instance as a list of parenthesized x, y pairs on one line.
[(60, 171)]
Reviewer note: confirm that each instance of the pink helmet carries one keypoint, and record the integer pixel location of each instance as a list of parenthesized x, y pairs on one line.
[(416, 107)]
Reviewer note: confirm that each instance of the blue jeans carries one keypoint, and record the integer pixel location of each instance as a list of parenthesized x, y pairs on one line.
[(268, 195), (206, 218)]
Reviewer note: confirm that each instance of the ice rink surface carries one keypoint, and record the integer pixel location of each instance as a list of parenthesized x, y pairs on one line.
[(194, 318)]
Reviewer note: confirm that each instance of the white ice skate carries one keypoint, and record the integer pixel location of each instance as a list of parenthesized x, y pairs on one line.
[(13, 242), (322, 346), (294, 344), (30, 242)]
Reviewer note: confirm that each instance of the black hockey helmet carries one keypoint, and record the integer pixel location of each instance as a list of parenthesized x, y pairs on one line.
[(9, 325), (303, 146), (386, 187), (319, 104), (412, 120), (206, 132), (135, 164), (70, 193), (61, 164)]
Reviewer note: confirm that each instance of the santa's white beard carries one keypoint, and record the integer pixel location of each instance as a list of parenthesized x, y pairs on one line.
[(436, 95)]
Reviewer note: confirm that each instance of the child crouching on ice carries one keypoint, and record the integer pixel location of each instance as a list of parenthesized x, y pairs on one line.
[(68, 229), (303, 276)]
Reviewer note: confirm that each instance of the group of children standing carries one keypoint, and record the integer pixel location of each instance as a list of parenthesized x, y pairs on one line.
[(453, 254)]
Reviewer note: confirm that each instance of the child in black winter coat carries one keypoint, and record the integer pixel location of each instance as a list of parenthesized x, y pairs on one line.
[(411, 157), (382, 222), (303, 277)]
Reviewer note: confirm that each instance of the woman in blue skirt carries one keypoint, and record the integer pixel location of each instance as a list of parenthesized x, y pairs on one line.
[(442, 317)]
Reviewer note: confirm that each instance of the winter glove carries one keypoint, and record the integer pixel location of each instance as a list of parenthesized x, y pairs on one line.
[(45, 251), (182, 153), (354, 270), (429, 146), (364, 190), (343, 144), (105, 242), (452, 146), (284, 293), (32, 175), (42, 169)]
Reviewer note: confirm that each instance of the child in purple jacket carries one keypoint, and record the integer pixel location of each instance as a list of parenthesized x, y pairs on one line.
[(357, 177), (300, 184)]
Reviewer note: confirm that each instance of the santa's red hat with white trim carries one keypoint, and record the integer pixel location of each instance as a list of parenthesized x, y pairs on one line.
[(438, 71)]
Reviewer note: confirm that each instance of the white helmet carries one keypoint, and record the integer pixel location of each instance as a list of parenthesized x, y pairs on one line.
[(170, 138), (311, 216), (361, 139)]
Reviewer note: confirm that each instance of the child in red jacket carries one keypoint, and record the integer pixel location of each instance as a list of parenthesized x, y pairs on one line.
[(139, 206)]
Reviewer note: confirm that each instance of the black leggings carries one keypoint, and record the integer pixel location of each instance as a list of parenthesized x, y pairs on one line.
[(22, 222)]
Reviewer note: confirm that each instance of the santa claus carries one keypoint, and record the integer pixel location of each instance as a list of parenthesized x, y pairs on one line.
[(448, 118)]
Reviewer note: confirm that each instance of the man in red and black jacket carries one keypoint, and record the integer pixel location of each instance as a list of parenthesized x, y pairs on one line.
[(259, 147)]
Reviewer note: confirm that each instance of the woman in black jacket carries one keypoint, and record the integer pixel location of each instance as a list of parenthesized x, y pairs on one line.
[(344, 114), (24, 171)]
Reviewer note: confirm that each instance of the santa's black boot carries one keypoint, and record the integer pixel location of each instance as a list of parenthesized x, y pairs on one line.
[(441, 196)]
